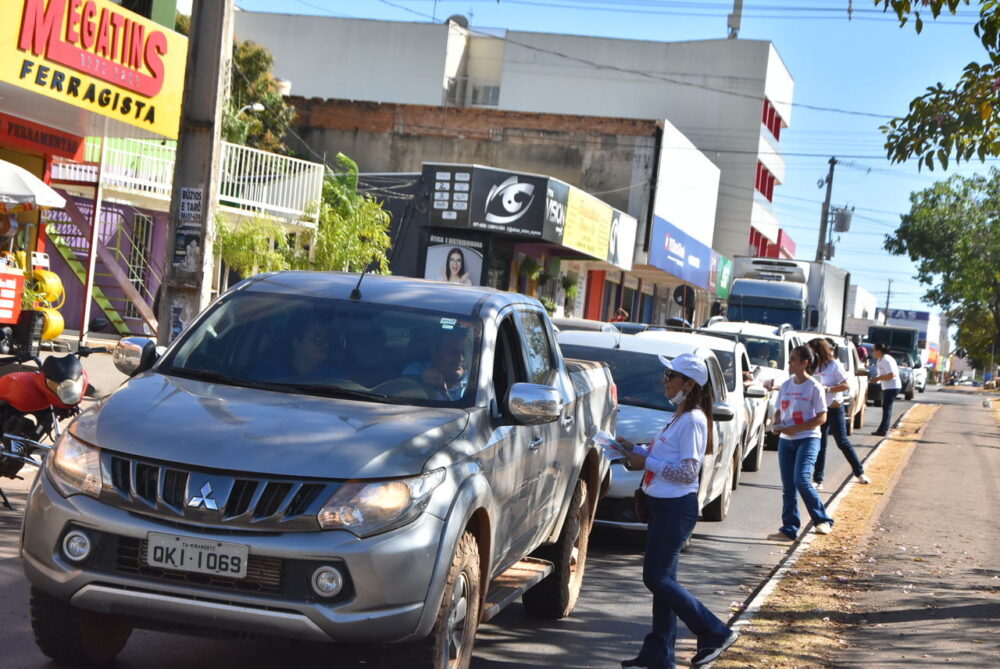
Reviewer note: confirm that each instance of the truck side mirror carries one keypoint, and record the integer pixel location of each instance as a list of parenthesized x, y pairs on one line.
[(813, 317), (755, 391), (534, 404), (133, 355), (722, 412)]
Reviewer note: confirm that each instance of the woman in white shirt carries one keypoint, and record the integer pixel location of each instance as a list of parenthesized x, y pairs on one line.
[(671, 465), (832, 376), (886, 373), (801, 412)]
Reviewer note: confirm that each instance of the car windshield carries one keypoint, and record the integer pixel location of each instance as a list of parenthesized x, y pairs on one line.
[(335, 348), (638, 376), (764, 352)]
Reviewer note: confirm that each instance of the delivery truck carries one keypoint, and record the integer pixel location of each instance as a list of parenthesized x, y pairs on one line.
[(810, 296)]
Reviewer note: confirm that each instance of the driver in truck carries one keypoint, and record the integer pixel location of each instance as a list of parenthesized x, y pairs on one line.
[(446, 370)]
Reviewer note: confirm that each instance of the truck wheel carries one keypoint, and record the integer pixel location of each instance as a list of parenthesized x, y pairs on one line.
[(75, 636), (555, 596), (717, 510), (909, 394), (449, 645)]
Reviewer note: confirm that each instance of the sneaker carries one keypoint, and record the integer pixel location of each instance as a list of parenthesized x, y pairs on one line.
[(818, 485), (780, 536), (878, 434), (706, 655), (863, 479), (824, 528)]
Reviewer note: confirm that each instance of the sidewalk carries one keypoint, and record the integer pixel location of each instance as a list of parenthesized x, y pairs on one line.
[(932, 594)]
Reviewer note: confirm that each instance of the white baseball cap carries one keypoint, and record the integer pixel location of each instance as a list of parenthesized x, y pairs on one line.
[(689, 365)]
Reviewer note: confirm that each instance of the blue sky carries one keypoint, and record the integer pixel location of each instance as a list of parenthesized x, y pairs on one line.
[(867, 64)]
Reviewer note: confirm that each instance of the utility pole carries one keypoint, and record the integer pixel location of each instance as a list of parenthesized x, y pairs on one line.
[(825, 216), (888, 292), (188, 277), (735, 19)]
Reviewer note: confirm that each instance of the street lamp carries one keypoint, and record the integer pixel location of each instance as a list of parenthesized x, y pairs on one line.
[(254, 107)]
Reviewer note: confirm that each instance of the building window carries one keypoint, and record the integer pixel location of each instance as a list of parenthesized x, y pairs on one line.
[(771, 120), (485, 94)]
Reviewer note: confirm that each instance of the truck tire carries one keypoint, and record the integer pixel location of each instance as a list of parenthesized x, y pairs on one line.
[(75, 636), (449, 645), (717, 510), (909, 394), (555, 596)]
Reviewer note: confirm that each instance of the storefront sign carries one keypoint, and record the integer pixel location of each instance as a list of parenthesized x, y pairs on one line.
[(588, 224), (677, 253), (455, 258), (23, 134), (97, 56), (720, 275)]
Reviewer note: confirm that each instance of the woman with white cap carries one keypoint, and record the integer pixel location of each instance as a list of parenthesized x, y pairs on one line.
[(671, 465)]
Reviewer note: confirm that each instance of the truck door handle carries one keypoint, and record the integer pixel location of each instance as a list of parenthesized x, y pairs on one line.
[(567, 420), (535, 444)]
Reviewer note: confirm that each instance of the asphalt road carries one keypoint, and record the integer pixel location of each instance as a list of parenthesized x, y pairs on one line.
[(726, 561)]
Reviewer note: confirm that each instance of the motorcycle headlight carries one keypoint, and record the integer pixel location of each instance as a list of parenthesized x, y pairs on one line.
[(69, 391), (75, 467), (365, 508)]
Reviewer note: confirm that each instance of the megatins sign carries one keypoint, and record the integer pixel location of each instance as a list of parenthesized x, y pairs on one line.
[(97, 56)]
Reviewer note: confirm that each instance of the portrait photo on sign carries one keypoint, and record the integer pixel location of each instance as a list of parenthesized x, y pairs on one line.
[(454, 264)]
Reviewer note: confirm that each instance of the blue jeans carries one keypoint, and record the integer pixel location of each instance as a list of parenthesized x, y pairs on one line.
[(796, 459), (888, 397), (671, 521), (835, 424)]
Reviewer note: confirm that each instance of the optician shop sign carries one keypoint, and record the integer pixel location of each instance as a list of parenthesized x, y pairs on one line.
[(94, 55)]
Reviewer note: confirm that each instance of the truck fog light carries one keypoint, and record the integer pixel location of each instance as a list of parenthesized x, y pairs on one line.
[(76, 546), (327, 581)]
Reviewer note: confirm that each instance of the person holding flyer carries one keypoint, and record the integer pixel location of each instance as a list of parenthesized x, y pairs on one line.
[(671, 466), (801, 412)]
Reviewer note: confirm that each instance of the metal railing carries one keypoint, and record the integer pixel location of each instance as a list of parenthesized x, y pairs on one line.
[(251, 180)]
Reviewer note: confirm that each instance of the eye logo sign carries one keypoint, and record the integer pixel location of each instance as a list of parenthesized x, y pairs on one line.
[(508, 201)]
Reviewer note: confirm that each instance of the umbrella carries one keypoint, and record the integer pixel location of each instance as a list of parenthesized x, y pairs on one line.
[(20, 190)]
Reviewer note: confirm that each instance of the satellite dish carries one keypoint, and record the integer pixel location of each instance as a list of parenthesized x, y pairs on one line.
[(458, 20)]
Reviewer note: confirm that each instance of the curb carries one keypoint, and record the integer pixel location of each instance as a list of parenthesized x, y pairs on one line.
[(755, 600)]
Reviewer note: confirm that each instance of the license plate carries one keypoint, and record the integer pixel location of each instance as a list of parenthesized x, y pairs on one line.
[(204, 556)]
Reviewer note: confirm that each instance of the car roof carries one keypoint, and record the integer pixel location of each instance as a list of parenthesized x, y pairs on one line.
[(381, 289), (635, 343), (693, 339), (744, 327)]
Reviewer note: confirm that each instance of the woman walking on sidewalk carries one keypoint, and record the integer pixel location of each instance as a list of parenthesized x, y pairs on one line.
[(672, 464), (886, 373), (831, 375), (801, 412)]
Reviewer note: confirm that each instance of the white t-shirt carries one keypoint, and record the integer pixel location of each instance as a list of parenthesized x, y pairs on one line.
[(832, 374), (684, 439), (885, 365), (799, 403)]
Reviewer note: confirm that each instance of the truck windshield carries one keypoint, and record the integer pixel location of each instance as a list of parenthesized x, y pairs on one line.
[(766, 315), (638, 376), (764, 352), (336, 348)]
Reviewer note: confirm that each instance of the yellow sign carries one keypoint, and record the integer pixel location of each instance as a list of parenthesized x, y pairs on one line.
[(588, 224), (97, 56)]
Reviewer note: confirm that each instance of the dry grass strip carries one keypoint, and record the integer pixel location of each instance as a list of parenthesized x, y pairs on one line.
[(800, 623)]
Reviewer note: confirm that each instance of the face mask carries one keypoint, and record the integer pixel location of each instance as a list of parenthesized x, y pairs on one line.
[(679, 398)]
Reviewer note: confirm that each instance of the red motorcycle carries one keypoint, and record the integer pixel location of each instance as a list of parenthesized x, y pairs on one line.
[(33, 402)]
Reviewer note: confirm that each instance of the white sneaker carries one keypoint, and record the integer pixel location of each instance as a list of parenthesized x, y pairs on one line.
[(863, 479), (824, 528), (818, 485)]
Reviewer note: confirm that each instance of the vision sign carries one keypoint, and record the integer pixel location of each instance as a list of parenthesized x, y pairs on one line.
[(95, 55)]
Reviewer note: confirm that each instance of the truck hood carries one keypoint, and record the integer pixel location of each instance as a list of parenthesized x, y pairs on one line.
[(217, 426), (640, 424)]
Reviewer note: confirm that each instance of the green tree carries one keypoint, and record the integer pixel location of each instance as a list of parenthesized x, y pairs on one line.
[(251, 81), (957, 122), (952, 233)]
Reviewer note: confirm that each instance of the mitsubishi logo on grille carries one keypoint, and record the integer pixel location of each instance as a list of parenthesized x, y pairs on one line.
[(205, 500)]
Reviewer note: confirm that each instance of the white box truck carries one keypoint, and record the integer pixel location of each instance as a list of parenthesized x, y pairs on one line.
[(810, 296)]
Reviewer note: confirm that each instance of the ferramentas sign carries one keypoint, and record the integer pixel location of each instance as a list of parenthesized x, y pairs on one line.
[(97, 56)]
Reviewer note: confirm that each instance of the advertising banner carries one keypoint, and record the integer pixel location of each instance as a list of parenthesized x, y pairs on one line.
[(97, 56), (588, 224), (721, 275), (677, 253), (455, 258), (24, 134)]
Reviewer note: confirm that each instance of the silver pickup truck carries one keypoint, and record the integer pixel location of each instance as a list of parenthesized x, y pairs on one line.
[(319, 457)]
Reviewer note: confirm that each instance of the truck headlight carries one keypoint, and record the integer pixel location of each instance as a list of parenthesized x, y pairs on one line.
[(365, 508), (75, 467)]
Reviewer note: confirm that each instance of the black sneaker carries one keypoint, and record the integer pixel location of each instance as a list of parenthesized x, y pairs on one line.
[(878, 434), (706, 655)]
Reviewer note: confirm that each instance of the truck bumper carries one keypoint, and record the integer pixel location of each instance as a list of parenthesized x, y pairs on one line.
[(387, 577)]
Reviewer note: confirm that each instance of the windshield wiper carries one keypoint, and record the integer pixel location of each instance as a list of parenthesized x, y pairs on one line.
[(327, 390), (206, 375)]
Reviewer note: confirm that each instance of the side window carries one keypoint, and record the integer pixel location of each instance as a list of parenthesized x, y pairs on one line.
[(508, 363), (537, 347), (717, 380)]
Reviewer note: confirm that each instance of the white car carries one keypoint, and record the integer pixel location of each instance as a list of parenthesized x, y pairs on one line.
[(768, 347), (643, 411)]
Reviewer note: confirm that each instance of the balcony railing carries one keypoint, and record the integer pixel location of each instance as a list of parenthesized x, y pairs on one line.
[(251, 180)]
